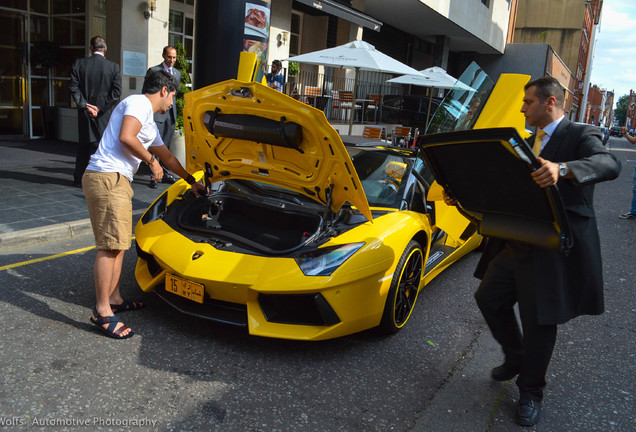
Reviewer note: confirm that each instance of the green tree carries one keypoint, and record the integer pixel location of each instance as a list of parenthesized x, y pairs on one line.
[(621, 109), (182, 66)]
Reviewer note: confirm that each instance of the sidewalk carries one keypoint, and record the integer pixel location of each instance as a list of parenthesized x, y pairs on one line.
[(38, 202)]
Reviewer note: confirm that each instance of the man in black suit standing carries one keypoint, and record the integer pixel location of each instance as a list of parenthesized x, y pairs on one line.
[(96, 88), (166, 121), (550, 288)]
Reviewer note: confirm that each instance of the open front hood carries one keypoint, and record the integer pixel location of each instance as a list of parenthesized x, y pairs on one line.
[(245, 130), (488, 172)]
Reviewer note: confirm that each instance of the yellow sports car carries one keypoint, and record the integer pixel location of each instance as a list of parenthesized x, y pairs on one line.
[(300, 236)]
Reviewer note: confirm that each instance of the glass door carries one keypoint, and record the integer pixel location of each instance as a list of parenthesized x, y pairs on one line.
[(13, 85)]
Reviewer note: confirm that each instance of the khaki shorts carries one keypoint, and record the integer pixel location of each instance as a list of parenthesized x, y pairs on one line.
[(109, 201)]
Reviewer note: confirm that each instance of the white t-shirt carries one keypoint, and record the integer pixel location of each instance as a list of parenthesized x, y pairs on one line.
[(112, 155)]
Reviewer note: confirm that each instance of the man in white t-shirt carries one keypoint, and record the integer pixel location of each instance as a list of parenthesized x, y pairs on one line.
[(130, 138)]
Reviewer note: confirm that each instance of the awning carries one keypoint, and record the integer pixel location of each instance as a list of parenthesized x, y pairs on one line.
[(333, 8)]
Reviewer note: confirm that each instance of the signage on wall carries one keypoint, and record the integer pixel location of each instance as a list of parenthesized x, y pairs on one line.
[(256, 32), (134, 63)]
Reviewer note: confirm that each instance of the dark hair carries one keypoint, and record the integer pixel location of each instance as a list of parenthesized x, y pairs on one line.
[(547, 86), (157, 79), (98, 43), (166, 48), (277, 63)]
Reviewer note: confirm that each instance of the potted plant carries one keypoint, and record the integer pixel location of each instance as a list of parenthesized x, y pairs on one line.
[(178, 140), (292, 72), (293, 69), (182, 66)]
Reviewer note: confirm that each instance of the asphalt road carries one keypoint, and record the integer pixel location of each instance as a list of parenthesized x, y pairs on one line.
[(180, 373)]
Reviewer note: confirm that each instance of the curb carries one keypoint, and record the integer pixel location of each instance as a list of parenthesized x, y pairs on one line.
[(56, 232)]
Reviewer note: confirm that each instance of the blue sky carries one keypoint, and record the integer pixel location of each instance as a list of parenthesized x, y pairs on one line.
[(614, 65)]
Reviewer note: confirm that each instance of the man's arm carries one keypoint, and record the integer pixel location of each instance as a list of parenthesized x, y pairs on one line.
[(630, 138), (173, 164), (130, 127), (593, 163), (115, 89), (74, 87), (280, 80)]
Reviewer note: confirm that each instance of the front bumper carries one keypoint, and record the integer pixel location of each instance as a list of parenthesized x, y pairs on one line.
[(269, 296)]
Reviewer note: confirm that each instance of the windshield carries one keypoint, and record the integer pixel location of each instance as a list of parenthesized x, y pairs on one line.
[(381, 173), (461, 107)]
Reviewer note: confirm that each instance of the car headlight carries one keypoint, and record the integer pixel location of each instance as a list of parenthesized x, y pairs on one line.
[(324, 261), (157, 210)]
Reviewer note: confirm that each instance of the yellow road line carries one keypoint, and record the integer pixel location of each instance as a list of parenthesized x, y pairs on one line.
[(37, 260)]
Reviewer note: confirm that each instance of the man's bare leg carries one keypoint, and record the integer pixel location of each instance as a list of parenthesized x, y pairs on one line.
[(108, 264), (114, 297)]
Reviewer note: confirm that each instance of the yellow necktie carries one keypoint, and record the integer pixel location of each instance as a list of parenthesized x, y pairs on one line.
[(536, 148)]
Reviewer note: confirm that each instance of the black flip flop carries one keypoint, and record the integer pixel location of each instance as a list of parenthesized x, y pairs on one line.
[(126, 306), (111, 330)]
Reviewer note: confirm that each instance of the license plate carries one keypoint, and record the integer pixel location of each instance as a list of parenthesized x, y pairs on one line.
[(181, 287)]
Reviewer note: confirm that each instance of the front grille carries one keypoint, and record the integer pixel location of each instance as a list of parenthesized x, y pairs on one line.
[(213, 310), (306, 309)]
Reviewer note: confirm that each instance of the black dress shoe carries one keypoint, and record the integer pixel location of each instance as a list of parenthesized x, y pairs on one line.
[(528, 412), (505, 372), (168, 178), (152, 184)]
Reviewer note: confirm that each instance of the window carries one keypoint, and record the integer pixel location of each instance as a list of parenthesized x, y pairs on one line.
[(181, 29), (294, 34)]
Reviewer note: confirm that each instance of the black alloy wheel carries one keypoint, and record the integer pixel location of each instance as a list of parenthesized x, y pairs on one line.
[(404, 289)]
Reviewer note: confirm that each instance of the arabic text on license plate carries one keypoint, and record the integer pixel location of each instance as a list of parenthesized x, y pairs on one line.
[(184, 288)]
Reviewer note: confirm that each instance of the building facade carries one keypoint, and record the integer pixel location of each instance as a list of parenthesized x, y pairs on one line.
[(595, 104), (568, 27), (46, 36), (42, 38)]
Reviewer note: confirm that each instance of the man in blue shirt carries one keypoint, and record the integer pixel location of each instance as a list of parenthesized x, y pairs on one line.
[(275, 78)]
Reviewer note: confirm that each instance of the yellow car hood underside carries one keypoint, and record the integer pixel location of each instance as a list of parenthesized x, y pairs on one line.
[(318, 163)]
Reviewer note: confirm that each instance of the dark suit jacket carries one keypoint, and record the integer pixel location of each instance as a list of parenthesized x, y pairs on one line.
[(171, 115), (570, 286), (96, 81)]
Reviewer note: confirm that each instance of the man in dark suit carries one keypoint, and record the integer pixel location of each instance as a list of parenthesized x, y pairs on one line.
[(96, 87), (166, 121), (550, 288)]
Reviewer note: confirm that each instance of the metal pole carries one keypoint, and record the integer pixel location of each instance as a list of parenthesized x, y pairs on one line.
[(353, 100), (588, 73), (428, 113)]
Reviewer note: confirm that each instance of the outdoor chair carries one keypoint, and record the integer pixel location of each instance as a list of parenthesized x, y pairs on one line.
[(375, 106), (311, 93), (401, 136), (335, 105), (372, 132), (347, 103)]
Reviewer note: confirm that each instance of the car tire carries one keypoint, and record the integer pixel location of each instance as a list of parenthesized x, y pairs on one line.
[(404, 289)]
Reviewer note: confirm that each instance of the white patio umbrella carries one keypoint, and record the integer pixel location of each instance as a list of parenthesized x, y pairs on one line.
[(434, 77), (358, 55)]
